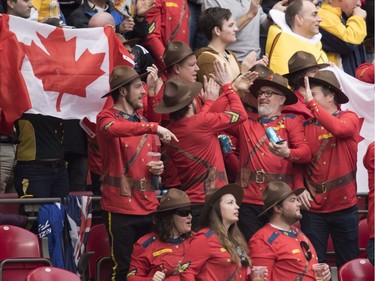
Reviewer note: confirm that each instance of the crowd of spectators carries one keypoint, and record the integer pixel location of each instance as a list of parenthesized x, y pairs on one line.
[(251, 135)]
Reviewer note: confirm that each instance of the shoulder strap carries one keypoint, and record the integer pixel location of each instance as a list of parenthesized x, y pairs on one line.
[(260, 143), (190, 156), (273, 45), (317, 157), (136, 153), (205, 176), (255, 149), (178, 26)]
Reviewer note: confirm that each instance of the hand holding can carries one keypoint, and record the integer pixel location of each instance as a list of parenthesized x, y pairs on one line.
[(272, 136)]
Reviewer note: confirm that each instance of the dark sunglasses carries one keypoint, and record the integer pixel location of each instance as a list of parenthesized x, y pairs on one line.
[(183, 213), (306, 250), (267, 93)]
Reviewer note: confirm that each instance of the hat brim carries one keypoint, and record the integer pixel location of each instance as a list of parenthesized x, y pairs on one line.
[(127, 81), (175, 207), (161, 107), (234, 189), (297, 192), (319, 66), (291, 98), (341, 97), (177, 61)]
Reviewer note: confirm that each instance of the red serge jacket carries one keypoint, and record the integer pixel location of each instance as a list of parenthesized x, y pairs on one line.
[(119, 136)]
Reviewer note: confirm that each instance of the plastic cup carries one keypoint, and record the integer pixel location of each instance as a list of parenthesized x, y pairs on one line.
[(258, 273), (318, 269), (153, 157)]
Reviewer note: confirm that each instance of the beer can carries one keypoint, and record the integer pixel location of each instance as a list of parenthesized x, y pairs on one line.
[(272, 136), (225, 144), (163, 191)]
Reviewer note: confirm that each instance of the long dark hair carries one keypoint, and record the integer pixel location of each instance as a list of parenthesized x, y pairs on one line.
[(163, 226)]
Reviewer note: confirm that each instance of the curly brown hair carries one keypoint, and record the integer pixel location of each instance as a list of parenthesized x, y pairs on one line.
[(163, 226)]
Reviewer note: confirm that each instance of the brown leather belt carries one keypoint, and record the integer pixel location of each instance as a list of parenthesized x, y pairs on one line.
[(141, 185), (332, 184), (261, 177)]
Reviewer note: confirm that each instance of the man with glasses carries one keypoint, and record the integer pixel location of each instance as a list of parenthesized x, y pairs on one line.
[(261, 160), (282, 247)]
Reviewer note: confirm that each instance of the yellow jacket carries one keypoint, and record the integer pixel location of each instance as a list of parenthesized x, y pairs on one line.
[(42, 6), (353, 32), (285, 47)]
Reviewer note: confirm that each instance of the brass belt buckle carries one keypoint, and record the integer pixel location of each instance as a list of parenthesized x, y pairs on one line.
[(323, 187), (260, 176), (143, 183)]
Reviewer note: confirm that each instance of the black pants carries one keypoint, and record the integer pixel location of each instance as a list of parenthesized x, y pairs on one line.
[(341, 225), (124, 231), (249, 222)]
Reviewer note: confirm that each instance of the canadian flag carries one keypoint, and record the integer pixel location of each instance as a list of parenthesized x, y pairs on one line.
[(361, 101), (55, 71)]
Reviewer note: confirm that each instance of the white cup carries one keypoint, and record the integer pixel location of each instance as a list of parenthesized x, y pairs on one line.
[(153, 157), (258, 273), (318, 269)]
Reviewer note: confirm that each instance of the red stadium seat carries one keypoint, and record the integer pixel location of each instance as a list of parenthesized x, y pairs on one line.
[(362, 206), (364, 236), (9, 208), (49, 273), (80, 193), (356, 270), (20, 252), (100, 263)]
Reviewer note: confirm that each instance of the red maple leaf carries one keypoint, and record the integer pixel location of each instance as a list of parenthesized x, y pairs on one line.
[(58, 70)]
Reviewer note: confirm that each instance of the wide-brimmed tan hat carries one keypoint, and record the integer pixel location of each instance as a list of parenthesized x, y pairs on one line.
[(263, 71), (328, 79), (302, 60), (276, 192), (176, 51), (121, 76), (177, 95), (130, 42), (278, 82), (213, 196), (173, 199)]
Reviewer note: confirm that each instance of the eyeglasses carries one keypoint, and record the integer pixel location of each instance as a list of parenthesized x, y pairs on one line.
[(183, 213), (306, 250), (267, 93)]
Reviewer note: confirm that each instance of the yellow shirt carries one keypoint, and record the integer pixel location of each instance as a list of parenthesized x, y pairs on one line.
[(42, 6)]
